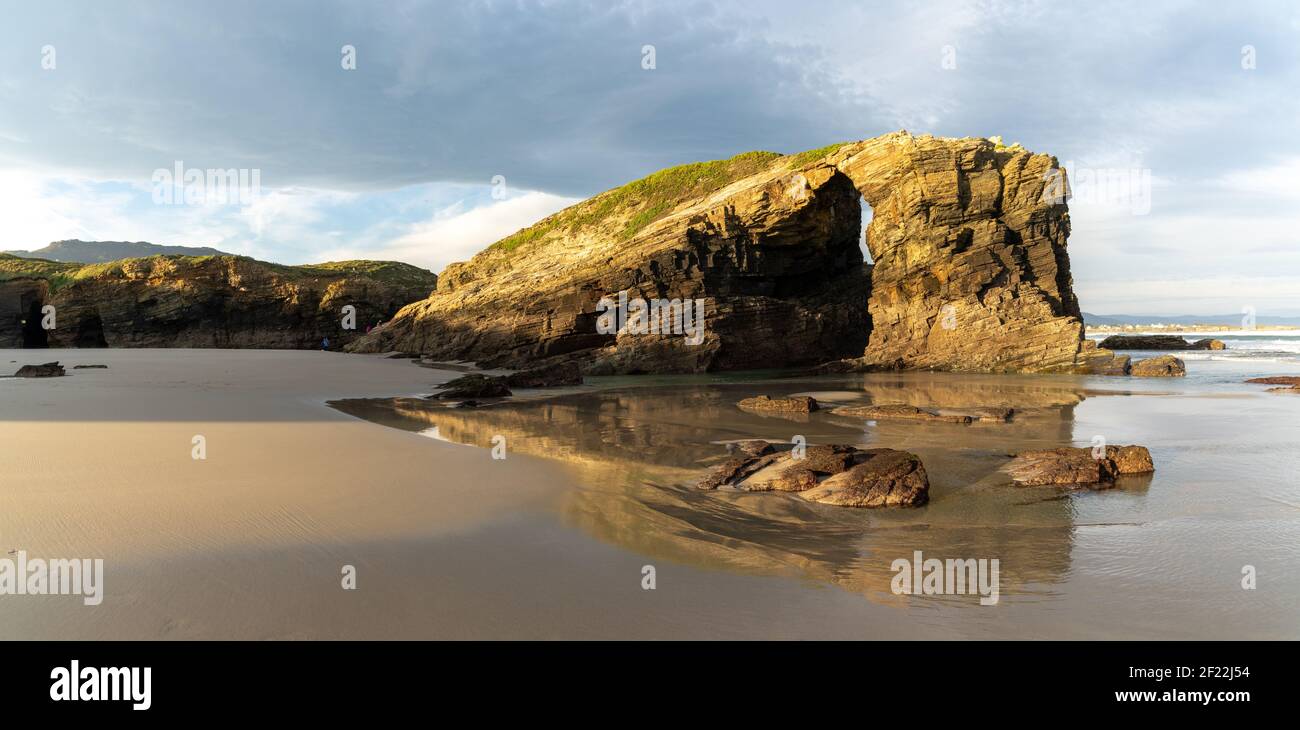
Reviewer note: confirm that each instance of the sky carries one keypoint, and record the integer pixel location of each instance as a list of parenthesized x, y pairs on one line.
[(424, 131)]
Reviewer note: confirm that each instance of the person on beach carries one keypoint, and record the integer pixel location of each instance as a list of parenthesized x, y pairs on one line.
[(325, 343)]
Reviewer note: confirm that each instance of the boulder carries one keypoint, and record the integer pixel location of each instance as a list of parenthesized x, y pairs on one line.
[(1209, 344), (1068, 466), (794, 404), (1163, 366), (878, 478), (46, 370), (829, 474), (899, 412)]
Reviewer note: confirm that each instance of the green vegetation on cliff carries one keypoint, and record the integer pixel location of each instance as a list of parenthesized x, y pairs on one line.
[(61, 274), (627, 210), (642, 202)]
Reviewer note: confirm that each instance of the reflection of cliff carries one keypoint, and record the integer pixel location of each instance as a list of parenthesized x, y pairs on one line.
[(635, 452)]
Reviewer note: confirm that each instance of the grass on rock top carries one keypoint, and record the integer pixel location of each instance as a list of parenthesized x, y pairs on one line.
[(645, 201)]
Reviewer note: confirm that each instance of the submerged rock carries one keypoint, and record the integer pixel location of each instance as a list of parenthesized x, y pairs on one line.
[(45, 370), (1069, 465), (474, 385), (1277, 380), (566, 373), (793, 404), (829, 474), (89, 367), (1159, 342), (900, 412), (1164, 366)]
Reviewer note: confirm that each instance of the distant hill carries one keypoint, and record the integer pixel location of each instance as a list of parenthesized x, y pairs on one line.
[(98, 252), (1233, 320)]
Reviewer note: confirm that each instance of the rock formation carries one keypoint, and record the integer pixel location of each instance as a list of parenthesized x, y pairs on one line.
[(829, 474), (44, 370), (900, 412), (796, 404), (970, 268), (1158, 342), (208, 301), (1069, 466), (1164, 366)]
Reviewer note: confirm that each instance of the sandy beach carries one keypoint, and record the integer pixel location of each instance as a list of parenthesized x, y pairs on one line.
[(318, 460)]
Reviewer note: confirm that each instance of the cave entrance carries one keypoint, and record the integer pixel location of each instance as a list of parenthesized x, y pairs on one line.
[(90, 332), (862, 237), (34, 336)]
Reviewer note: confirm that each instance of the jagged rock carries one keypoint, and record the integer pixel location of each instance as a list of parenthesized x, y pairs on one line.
[(793, 404), (565, 373), (970, 272), (1164, 366), (209, 301), (46, 370), (878, 478), (1077, 466), (1158, 342), (970, 266), (474, 385), (899, 412), (1277, 380), (829, 474)]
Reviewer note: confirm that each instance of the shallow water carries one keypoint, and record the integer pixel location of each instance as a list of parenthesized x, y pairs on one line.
[(1157, 556)]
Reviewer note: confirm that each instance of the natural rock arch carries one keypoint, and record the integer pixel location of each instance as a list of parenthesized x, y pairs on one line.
[(969, 268), (970, 265)]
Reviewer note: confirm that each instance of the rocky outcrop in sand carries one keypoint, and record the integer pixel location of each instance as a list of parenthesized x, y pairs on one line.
[(1164, 366), (830, 474), (45, 370), (1070, 466), (900, 412), (968, 241), (206, 301)]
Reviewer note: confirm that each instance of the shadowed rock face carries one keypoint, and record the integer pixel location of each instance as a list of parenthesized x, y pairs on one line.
[(215, 301), (970, 268)]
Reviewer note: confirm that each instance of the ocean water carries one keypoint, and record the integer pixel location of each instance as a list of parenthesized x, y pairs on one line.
[(1157, 556)]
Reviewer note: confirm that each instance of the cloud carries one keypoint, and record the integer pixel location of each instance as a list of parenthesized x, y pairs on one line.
[(457, 232), (553, 96)]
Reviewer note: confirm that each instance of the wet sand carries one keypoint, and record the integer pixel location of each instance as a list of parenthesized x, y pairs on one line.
[(551, 541)]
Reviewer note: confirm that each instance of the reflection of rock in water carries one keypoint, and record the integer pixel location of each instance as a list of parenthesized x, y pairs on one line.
[(634, 451)]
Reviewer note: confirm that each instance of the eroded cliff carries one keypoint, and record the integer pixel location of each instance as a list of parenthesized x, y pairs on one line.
[(199, 301), (968, 242)]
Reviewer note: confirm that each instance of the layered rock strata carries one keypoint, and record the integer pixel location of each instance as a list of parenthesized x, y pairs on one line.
[(967, 238), (203, 301)]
